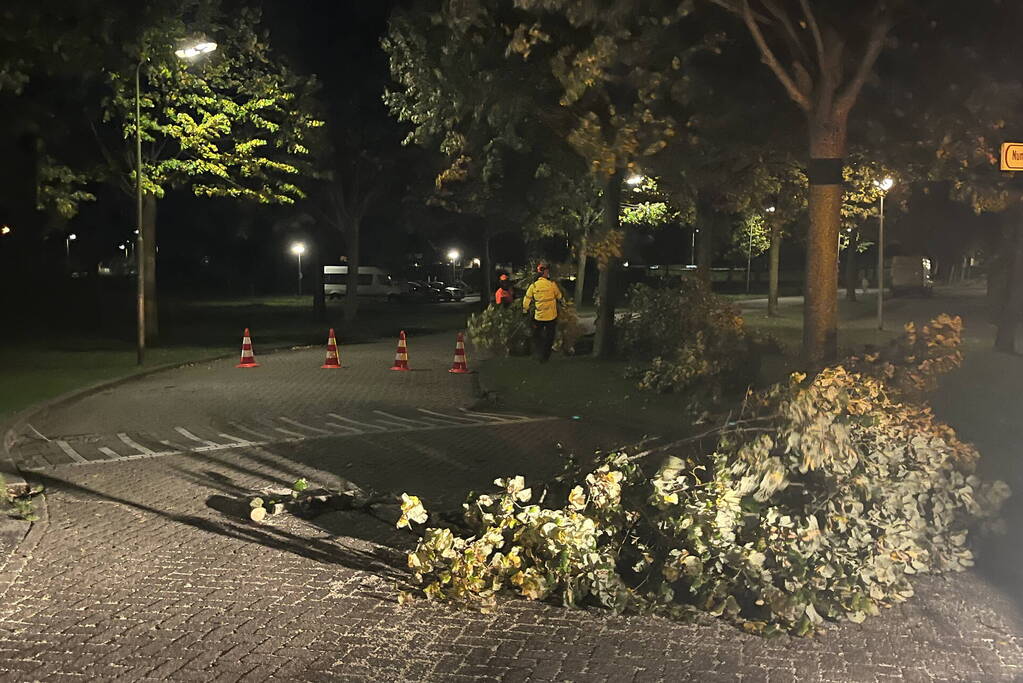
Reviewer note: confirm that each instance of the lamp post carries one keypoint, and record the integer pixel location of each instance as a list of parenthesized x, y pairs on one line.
[(884, 186), (453, 256), (298, 248), (67, 247), (692, 252), (189, 52)]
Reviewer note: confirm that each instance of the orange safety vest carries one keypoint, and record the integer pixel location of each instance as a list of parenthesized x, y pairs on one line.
[(502, 296)]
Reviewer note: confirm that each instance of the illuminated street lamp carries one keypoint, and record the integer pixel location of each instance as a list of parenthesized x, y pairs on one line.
[(884, 186), (453, 256), (298, 248), (187, 52), (635, 181), (5, 230), (67, 246)]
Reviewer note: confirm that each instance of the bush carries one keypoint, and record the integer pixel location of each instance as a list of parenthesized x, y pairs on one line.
[(503, 330), (819, 501), (683, 336)]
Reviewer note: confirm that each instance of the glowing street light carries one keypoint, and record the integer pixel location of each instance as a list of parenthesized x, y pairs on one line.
[(298, 248), (454, 255), (67, 246), (5, 230), (634, 180), (197, 50), (884, 186)]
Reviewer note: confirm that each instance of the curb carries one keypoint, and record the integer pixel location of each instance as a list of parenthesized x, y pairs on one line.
[(23, 550)]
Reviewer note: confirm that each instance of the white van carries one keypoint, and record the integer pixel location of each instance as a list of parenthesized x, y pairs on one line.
[(373, 282)]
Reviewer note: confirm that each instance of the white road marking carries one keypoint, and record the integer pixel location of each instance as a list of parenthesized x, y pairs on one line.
[(243, 428), (71, 452), (450, 417), (189, 435), (237, 439), (355, 422), (236, 442), (506, 417), (416, 423), (128, 441), (295, 423), (335, 425)]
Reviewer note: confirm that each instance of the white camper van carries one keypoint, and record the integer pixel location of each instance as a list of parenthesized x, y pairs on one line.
[(373, 282)]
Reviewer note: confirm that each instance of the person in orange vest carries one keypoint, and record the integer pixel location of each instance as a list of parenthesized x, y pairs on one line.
[(503, 295), (544, 295)]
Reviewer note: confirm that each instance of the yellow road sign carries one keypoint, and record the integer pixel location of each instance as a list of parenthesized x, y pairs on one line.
[(1012, 156)]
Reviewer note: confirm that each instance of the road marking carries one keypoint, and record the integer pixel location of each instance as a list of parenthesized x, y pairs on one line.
[(243, 428), (71, 452), (356, 422), (189, 435), (341, 426), (237, 439), (450, 417), (128, 441), (504, 417), (415, 423), (296, 423), (446, 422)]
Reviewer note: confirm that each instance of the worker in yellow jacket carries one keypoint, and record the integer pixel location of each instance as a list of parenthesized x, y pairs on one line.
[(544, 295)]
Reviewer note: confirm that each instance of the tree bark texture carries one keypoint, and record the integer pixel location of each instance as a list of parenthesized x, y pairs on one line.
[(488, 289), (705, 218), (1012, 306), (149, 258), (352, 287), (603, 342), (820, 290), (774, 258), (851, 270), (580, 274)]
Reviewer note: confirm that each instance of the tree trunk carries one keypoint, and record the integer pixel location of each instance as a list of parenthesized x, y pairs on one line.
[(850, 265), (580, 274), (319, 297), (820, 290), (149, 258), (352, 287), (487, 280), (705, 218), (603, 342), (774, 257), (1012, 306)]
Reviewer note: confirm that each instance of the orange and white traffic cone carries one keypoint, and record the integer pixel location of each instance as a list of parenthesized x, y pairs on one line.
[(401, 356), (459, 364), (333, 359), (248, 359)]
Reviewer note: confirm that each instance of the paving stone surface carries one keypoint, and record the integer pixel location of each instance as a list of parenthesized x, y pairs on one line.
[(144, 569)]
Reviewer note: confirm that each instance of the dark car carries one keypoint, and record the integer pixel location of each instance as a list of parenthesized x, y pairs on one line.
[(419, 292), (447, 292)]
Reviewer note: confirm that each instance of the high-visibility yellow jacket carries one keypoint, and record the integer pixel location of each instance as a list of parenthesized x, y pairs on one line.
[(546, 295)]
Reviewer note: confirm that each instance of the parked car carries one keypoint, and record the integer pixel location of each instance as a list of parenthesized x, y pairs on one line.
[(373, 282), (419, 292), (447, 292)]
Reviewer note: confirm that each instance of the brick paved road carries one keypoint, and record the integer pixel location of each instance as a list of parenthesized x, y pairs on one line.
[(144, 570)]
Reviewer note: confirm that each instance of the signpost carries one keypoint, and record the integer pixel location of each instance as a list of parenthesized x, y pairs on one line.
[(1012, 156)]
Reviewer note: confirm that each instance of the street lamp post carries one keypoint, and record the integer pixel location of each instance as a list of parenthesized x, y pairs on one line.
[(298, 248), (884, 186), (692, 253), (453, 256), (67, 247), (189, 52)]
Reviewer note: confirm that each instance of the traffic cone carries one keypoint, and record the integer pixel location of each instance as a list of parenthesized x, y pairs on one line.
[(248, 359), (333, 359), (401, 356), (459, 364)]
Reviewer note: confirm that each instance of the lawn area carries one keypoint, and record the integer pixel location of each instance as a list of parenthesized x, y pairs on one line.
[(39, 362)]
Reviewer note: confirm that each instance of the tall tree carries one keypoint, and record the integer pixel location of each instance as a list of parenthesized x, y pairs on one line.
[(235, 124), (822, 54)]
